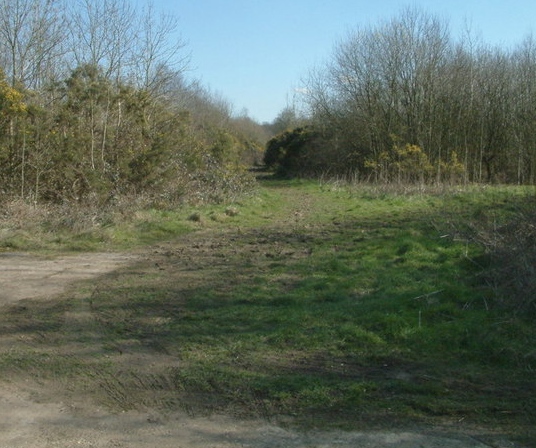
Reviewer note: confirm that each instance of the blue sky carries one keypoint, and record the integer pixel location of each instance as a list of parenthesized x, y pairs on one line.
[(255, 52)]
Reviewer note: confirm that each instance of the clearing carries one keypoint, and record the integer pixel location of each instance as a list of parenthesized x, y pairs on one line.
[(65, 382), (37, 414)]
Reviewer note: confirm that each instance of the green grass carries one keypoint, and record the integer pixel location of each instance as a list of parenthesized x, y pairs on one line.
[(342, 306)]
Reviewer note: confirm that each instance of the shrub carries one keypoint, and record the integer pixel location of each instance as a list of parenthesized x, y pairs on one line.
[(515, 259), (291, 153), (511, 250)]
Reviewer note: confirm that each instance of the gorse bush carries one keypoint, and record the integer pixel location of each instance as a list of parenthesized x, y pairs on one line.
[(409, 164), (101, 140), (298, 152), (88, 125)]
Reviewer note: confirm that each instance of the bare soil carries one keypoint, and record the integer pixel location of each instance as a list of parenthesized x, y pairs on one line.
[(39, 412)]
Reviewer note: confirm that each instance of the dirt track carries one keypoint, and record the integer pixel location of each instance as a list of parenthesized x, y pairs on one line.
[(32, 415)]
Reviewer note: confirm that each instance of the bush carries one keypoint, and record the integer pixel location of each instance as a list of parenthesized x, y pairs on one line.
[(511, 248), (516, 261), (291, 153)]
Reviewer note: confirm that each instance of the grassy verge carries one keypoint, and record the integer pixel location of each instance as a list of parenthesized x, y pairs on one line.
[(333, 306)]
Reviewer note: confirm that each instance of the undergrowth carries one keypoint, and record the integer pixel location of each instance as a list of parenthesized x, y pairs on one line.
[(509, 264)]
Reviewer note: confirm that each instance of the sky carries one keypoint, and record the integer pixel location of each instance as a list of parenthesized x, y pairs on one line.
[(256, 53)]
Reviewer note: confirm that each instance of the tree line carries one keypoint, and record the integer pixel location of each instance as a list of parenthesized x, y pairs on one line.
[(95, 104), (402, 101)]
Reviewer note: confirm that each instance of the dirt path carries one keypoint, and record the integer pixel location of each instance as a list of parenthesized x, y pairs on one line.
[(25, 423), (33, 415), (25, 277)]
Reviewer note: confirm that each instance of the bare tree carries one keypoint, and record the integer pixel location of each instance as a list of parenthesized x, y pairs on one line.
[(464, 107), (524, 114), (158, 55), (102, 33), (30, 40), (382, 82)]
